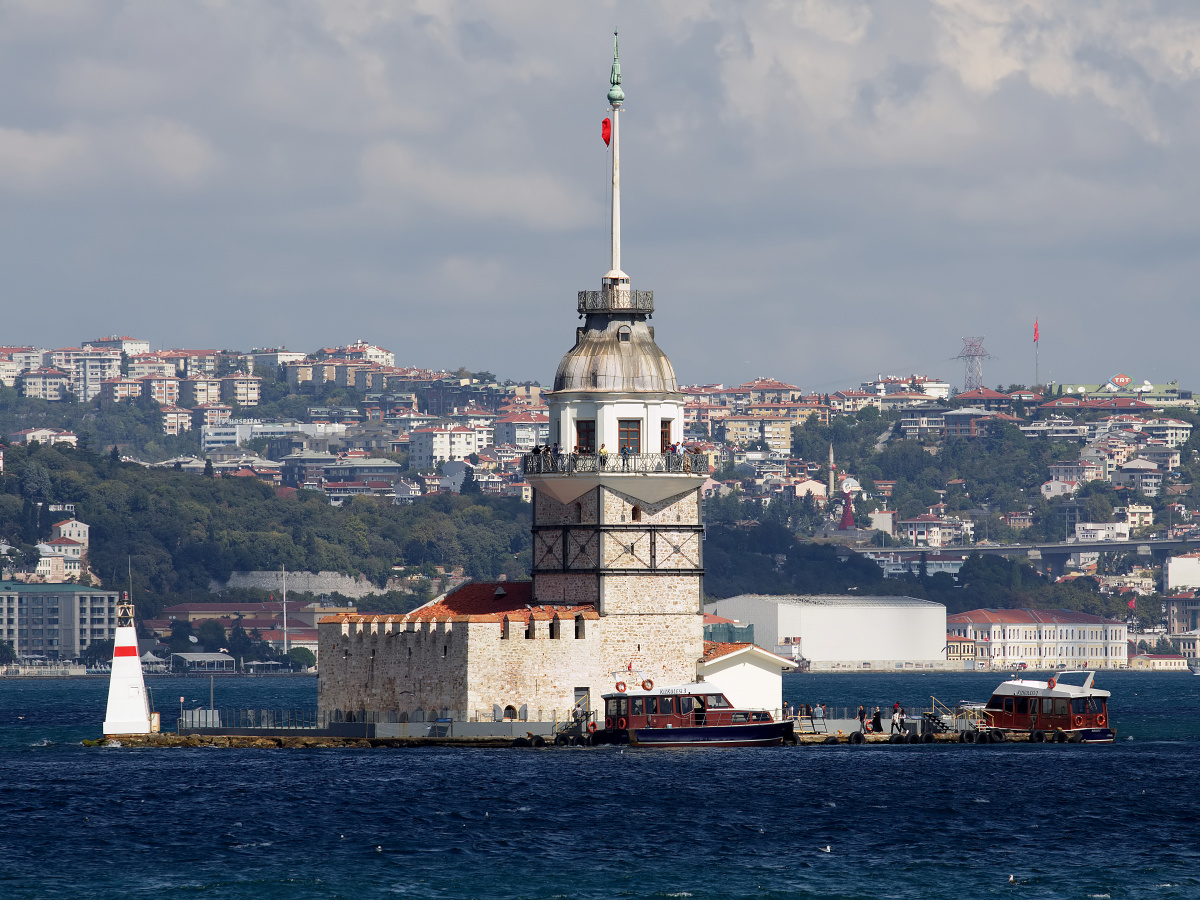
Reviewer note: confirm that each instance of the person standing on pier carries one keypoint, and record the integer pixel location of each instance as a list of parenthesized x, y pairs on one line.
[(877, 722), (862, 717)]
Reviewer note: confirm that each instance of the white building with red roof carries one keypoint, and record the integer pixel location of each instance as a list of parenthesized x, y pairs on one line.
[(522, 429), (1042, 638)]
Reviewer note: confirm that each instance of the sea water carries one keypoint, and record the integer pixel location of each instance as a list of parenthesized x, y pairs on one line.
[(905, 821)]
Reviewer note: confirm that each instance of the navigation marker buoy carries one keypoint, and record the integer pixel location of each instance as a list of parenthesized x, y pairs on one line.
[(128, 707)]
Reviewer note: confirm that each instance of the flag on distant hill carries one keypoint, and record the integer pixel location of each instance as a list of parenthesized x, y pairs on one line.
[(1133, 604), (1035, 330)]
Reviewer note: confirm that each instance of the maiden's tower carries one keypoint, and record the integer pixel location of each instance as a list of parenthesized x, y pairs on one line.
[(617, 544)]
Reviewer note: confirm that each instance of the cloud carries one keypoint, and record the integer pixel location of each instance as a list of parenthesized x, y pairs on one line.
[(536, 201), (33, 160), (793, 172)]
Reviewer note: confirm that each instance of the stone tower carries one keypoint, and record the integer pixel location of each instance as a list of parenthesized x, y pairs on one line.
[(616, 517)]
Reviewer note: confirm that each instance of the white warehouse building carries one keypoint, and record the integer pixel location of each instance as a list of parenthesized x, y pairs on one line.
[(839, 633)]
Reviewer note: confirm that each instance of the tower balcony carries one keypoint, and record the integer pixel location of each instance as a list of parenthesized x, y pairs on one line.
[(648, 476), (616, 299)]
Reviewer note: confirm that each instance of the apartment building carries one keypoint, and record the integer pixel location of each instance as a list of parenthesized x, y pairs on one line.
[(57, 621), (45, 383), (522, 430), (1141, 475), (176, 420), (151, 366), (241, 390), (122, 344), (210, 414), (430, 447), (199, 390), (164, 391)]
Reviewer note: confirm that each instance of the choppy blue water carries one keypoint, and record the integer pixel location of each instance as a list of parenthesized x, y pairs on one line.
[(1020, 821)]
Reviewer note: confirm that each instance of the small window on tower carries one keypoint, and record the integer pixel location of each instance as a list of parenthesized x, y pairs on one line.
[(623, 334), (636, 516)]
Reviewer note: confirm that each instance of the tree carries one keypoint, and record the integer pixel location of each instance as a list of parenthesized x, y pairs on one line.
[(208, 468), (302, 656), (469, 484), (211, 635), (7, 654), (98, 652)]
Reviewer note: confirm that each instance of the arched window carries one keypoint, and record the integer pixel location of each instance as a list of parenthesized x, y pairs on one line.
[(623, 334), (510, 712), (578, 513), (636, 515), (579, 628)]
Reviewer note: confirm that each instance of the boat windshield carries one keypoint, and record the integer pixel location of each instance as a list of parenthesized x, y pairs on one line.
[(717, 701)]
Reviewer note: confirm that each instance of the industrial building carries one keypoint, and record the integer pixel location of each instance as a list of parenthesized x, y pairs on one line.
[(845, 633)]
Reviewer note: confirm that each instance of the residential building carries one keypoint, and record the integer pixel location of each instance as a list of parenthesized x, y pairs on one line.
[(199, 390), (211, 414), (769, 390), (164, 391), (1052, 489), (430, 447), (1140, 475), (118, 390), (43, 436), (241, 390), (72, 529), (1042, 638), (931, 388), (151, 366), (274, 357), (1137, 516), (45, 383), (176, 420), (1080, 471), (87, 366), (928, 530), (124, 344), (1101, 531), (986, 398), (523, 430), (1173, 432), (924, 422), (1166, 458), (56, 621)]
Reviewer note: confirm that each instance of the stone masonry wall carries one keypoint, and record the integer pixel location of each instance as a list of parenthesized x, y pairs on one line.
[(393, 666), (650, 594)]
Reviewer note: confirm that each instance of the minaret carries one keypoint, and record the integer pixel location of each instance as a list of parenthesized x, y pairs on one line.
[(616, 516)]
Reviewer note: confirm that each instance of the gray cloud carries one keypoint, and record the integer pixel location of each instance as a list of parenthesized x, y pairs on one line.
[(819, 190)]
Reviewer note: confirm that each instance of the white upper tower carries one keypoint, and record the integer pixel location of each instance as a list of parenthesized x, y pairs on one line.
[(615, 390)]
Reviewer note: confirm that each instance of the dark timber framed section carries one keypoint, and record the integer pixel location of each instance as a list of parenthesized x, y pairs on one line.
[(655, 532)]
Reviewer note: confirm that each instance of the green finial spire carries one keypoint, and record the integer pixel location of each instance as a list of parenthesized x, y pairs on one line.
[(615, 95)]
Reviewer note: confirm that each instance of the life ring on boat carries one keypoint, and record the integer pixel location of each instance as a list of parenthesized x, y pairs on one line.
[(647, 685), (1051, 682), (1078, 721), (1100, 719), (608, 722), (591, 727), (621, 724), (621, 687)]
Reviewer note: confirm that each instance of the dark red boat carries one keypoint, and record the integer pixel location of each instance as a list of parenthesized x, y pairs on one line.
[(689, 715)]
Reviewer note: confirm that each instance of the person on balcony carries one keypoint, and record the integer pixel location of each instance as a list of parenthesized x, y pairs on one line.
[(603, 457)]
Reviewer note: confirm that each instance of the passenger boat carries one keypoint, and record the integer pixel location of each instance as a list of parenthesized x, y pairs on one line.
[(688, 715), (1050, 710)]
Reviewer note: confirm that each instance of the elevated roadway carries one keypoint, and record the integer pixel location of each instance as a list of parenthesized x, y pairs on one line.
[(1050, 558)]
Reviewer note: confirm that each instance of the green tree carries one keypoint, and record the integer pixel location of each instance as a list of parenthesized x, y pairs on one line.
[(302, 656), (98, 653), (211, 635), (7, 654)]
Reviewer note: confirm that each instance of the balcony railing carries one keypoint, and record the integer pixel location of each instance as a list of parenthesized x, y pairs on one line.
[(615, 463), (616, 300)]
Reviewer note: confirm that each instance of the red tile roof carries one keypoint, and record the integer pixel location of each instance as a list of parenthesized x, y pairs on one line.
[(717, 649), (477, 602), (1028, 617)]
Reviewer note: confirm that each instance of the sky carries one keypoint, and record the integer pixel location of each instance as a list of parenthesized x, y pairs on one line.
[(816, 190)]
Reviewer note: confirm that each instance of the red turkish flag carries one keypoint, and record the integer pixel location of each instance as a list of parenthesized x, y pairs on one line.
[(1035, 329), (606, 131), (1133, 604)]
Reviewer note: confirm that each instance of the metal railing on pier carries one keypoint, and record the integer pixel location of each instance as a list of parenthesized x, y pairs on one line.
[(548, 463)]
